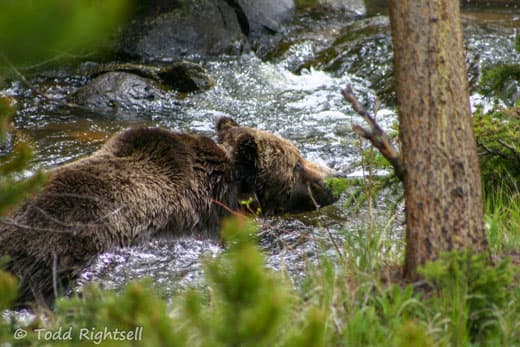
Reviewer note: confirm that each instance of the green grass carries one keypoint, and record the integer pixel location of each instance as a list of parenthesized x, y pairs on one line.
[(503, 219)]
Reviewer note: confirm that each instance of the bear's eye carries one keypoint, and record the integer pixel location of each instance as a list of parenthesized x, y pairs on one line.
[(298, 167)]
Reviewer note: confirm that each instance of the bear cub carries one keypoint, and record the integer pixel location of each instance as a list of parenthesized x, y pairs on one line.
[(148, 182)]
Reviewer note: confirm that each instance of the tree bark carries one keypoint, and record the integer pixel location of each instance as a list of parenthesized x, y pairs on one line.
[(442, 187)]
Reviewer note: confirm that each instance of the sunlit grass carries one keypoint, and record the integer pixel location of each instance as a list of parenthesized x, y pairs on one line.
[(502, 218)]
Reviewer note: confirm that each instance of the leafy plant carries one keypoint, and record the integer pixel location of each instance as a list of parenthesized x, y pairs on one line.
[(498, 135), (501, 81), (337, 185), (248, 303), (12, 167), (470, 289)]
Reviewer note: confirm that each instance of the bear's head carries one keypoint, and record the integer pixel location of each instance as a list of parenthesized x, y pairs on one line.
[(273, 171)]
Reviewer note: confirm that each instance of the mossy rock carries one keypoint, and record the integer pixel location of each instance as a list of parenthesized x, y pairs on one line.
[(356, 7), (120, 93), (182, 76)]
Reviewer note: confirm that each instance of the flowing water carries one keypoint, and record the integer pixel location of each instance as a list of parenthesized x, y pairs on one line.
[(294, 93)]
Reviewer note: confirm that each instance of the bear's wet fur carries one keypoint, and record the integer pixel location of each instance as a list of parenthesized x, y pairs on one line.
[(281, 179), (148, 182)]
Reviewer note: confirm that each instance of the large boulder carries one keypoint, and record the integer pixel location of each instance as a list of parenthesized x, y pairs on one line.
[(266, 16), (182, 76), (168, 31), (130, 89), (120, 93), (171, 30)]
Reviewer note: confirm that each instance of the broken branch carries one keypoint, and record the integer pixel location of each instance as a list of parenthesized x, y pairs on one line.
[(375, 134)]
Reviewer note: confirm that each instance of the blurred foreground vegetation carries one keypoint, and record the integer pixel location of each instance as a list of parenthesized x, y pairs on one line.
[(465, 300), (36, 31)]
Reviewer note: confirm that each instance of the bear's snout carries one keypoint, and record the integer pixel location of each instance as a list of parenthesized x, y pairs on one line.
[(310, 191)]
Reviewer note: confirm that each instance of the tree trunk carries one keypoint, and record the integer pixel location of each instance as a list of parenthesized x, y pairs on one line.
[(444, 209)]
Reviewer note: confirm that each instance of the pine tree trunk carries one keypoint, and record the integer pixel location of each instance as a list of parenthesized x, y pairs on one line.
[(444, 209)]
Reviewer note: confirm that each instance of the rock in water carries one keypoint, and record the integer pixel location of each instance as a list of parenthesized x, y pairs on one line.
[(183, 28)]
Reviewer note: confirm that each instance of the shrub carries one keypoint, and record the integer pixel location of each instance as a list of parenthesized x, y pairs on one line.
[(469, 290)]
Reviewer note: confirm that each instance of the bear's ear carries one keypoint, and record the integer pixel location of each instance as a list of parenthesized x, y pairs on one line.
[(245, 157), (225, 123)]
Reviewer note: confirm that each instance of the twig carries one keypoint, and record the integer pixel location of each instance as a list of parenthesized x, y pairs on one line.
[(334, 243), (59, 56), (511, 148), (18, 225), (490, 151), (35, 90), (20, 75), (229, 209), (55, 274), (375, 134), (316, 205)]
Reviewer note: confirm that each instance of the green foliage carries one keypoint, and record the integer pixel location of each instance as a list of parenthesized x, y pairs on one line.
[(8, 289), (498, 138), (373, 184), (243, 305), (310, 332), (339, 304), (365, 328), (387, 186), (370, 248), (13, 189), (6, 112), (304, 4), (252, 206), (503, 218), (136, 309), (470, 289), (517, 43), (336, 185), (375, 159), (248, 303), (412, 334), (501, 81), (43, 29)]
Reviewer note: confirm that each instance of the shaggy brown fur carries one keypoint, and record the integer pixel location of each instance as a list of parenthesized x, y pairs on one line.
[(281, 178), (143, 183)]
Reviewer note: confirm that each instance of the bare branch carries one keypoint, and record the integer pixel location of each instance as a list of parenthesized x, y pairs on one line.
[(375, 134), (489, 151), (511, 148)]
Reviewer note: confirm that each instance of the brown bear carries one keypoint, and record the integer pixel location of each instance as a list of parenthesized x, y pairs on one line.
[(148, 182)]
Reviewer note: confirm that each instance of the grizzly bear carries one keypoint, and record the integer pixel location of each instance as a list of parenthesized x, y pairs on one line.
[(148, 182)]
